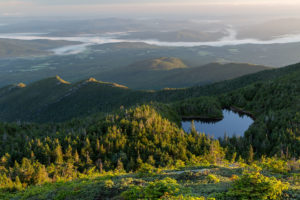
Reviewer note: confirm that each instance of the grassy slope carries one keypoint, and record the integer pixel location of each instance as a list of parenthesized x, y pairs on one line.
[(194, 179), (160, 64)]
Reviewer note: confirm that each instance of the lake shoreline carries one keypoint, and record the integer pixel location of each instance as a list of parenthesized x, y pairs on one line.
[(234, 122), (242, 112), (201, 118), (216, 119)]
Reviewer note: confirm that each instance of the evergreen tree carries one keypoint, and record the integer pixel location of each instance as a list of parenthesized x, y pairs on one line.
[(58, 155), (40, 175), (17, 184), (250, 154)]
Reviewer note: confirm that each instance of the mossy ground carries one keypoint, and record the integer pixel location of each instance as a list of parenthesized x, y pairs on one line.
[(208, 181)]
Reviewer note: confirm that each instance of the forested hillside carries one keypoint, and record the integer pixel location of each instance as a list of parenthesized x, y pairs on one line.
[(54, 99), (126, 131), (96, 153)]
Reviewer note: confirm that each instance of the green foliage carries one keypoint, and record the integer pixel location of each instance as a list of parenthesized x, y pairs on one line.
[(212, 178), (254, 185), (275, 105), (165, 188), (109, 183), (192, 185), (147, 170), (131, 139), (179, 164), (251, 154), (7, 184), (201, 108), (181, 197), (275, 165)]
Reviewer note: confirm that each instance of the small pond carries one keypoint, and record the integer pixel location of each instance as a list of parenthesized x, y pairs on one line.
[(232, 124)]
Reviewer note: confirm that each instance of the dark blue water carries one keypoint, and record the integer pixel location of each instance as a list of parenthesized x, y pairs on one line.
[(232, 124)]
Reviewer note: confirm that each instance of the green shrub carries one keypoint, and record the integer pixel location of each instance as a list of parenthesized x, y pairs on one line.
[(147, 170), (179, 164), (254, 185), (125, 182), (213, 178), (181, 197), (109, 183), (129, 182), (274, 165), (165, 188)]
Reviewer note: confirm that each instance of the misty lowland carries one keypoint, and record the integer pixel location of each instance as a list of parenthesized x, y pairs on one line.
[(149, 100)]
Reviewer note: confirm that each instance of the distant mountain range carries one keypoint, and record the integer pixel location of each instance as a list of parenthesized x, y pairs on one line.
[(168, 72), (54, 99), (270, 29), (11, 48), (177, 36)]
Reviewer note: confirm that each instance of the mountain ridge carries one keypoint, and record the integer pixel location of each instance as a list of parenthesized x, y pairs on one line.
[(141, 75), (159, 64), (46, 100)]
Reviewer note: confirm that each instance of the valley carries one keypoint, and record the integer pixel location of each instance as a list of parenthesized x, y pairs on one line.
[(100, 60), (12, 48)]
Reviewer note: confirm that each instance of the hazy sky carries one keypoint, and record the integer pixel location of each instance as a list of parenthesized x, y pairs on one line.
[(147, 8)]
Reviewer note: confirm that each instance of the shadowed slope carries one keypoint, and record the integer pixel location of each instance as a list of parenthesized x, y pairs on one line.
[(172, 73)]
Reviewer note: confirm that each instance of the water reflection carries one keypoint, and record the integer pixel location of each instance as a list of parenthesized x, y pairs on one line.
[(232, 124)]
